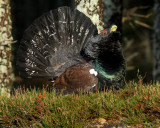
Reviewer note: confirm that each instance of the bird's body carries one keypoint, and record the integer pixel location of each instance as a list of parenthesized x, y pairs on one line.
[(64, 45), (76, 78)]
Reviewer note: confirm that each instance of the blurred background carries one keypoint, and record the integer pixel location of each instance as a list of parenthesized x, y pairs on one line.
[(136, 21)]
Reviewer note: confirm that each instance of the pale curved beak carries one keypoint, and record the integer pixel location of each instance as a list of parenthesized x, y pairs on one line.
[(113, 28)]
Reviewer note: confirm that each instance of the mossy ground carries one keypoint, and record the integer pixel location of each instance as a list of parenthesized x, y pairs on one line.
[(136, 105)]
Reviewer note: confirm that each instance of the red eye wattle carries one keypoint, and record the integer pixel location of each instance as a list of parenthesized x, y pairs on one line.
[(105, 31)]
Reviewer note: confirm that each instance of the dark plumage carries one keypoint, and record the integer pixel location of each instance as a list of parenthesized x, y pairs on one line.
[(63, 44)]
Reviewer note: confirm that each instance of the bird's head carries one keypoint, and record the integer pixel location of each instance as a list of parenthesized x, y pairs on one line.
[(105, 51), (109, 42), (105, 43)]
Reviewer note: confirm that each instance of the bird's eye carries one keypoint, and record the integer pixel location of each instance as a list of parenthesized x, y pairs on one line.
[(104, 32)]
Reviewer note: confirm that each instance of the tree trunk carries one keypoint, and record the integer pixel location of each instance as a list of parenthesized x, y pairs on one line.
[(112, 13), (156, 44), (6, 75), (94, 10)]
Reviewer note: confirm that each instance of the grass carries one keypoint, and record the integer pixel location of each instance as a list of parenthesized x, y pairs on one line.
[(136, 105)]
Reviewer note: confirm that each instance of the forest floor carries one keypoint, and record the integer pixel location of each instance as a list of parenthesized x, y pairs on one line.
[(136, 105)]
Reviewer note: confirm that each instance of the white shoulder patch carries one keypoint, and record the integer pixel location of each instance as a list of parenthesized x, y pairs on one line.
[(52, 81), (92, 71), (93, 85)]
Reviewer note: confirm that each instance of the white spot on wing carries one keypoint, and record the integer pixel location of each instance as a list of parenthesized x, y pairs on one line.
[(94, 72)]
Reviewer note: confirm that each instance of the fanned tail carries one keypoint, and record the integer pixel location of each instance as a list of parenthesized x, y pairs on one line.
[(53, 43)]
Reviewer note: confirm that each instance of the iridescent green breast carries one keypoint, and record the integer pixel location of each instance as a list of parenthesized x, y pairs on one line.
[(112, 75)]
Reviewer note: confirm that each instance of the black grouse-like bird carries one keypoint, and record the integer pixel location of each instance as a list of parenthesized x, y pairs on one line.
[(64, 45)]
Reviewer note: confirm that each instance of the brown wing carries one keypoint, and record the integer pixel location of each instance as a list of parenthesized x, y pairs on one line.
[(76, 78)]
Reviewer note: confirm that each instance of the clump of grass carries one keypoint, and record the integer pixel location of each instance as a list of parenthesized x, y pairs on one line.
[(136, 104)]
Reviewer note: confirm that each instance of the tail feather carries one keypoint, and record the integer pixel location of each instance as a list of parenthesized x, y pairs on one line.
[(53, 42)]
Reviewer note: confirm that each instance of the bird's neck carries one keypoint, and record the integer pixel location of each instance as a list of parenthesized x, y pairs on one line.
[(99, 68), (107, 69)]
